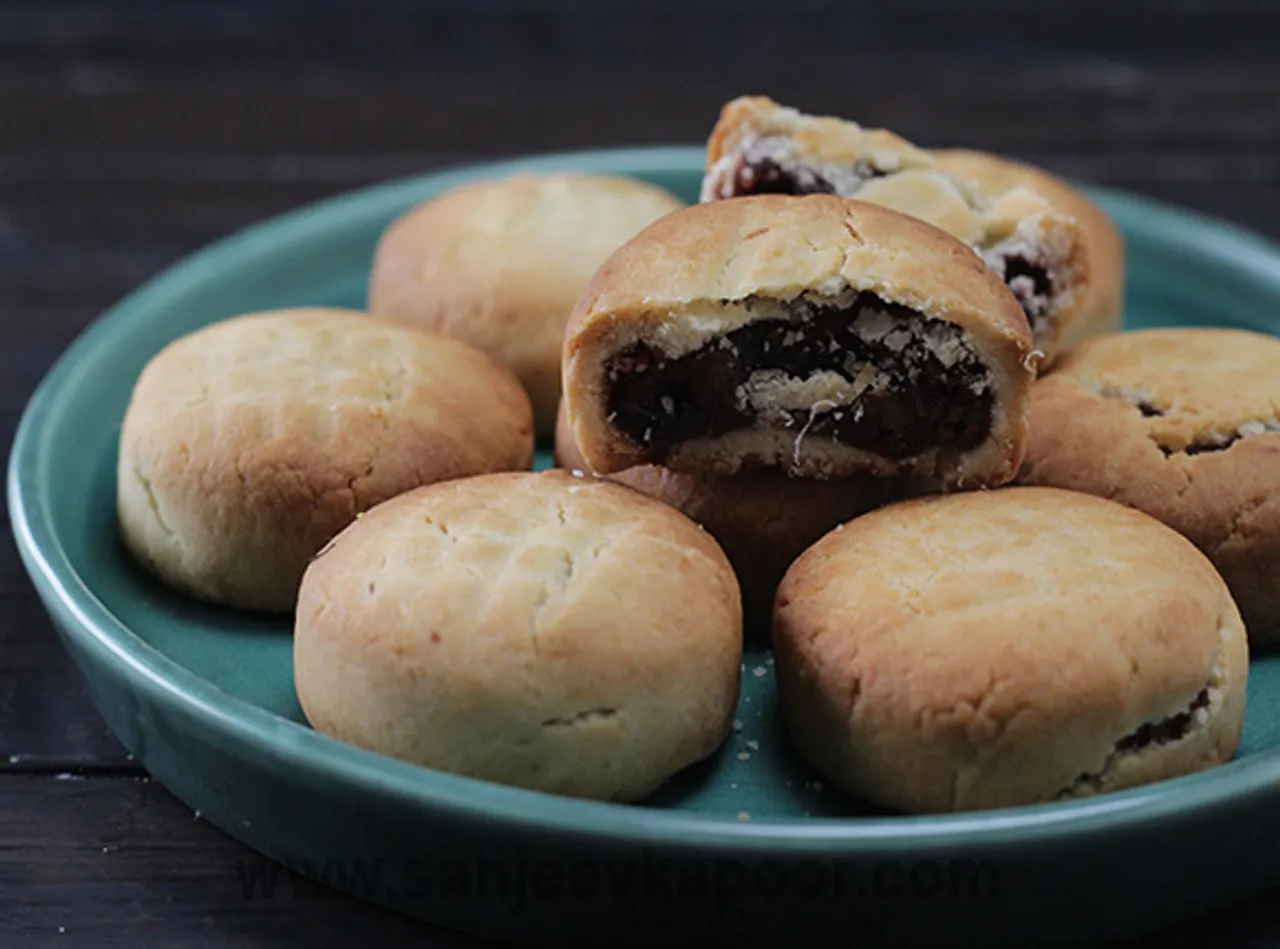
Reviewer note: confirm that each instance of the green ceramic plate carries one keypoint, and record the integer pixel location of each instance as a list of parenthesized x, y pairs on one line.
[(747, 849)]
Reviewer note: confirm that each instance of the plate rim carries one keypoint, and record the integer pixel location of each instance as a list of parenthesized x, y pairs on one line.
[(80, 615)]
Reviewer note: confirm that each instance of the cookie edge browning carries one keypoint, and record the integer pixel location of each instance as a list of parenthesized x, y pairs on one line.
[(319, 689), (811, 719), (664, 271), (143, 485), (1102, 308)]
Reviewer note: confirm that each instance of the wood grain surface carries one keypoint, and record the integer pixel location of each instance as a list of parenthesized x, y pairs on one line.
[(132, 133)]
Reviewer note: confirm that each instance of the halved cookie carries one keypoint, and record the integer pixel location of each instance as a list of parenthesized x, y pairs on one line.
[(1030, 241), (821, 336)]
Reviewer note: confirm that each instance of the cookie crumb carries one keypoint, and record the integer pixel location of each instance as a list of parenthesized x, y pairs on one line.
[(737, 724), (753, 745), (744, 756), (759, 671)]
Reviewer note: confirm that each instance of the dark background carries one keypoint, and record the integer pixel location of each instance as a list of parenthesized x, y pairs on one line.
[(133, 132)]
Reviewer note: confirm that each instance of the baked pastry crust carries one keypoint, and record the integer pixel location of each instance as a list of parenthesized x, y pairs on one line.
[(1101, 306), (251, 442), (1023, 224), (498, 264), (705, 271), (1001, 648), (1183, 424), (762, 519), (575, 637)]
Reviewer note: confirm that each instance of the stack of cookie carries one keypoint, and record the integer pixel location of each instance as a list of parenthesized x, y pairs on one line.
[(865, 399)]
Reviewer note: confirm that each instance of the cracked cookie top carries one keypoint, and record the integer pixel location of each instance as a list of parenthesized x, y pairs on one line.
[(1183, 424), (1198, 389), (542, 630)]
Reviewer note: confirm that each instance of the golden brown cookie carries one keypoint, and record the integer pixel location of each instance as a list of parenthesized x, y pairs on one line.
[(1183, 424), (1001, 648), (1100, 308), (250, 443), (819, 336), (575, 637), (499, 264), (1031, 240), (762, 519)]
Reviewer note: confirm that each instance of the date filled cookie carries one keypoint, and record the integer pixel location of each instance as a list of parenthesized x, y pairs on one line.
[(550, 632), (1182, 424), (248, 444), (1000, 648), (762, 519), (1026, 225), (815, 335), (499, 264)]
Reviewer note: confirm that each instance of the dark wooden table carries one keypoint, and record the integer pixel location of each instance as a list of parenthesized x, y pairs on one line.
[(132, 133)]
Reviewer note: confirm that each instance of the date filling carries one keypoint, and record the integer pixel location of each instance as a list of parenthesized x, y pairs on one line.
[(1161, 732), (1203, 442), (1023, 269), (761, 169), (1148, 735), (867, 374)]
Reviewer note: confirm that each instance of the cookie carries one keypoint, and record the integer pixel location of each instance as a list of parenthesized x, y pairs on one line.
[(250, 443), (1031, 241), (1001, 648), (1100, 308), (762, 519), (1181, 424), (816, 335), (576, 637), (499, 264)]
